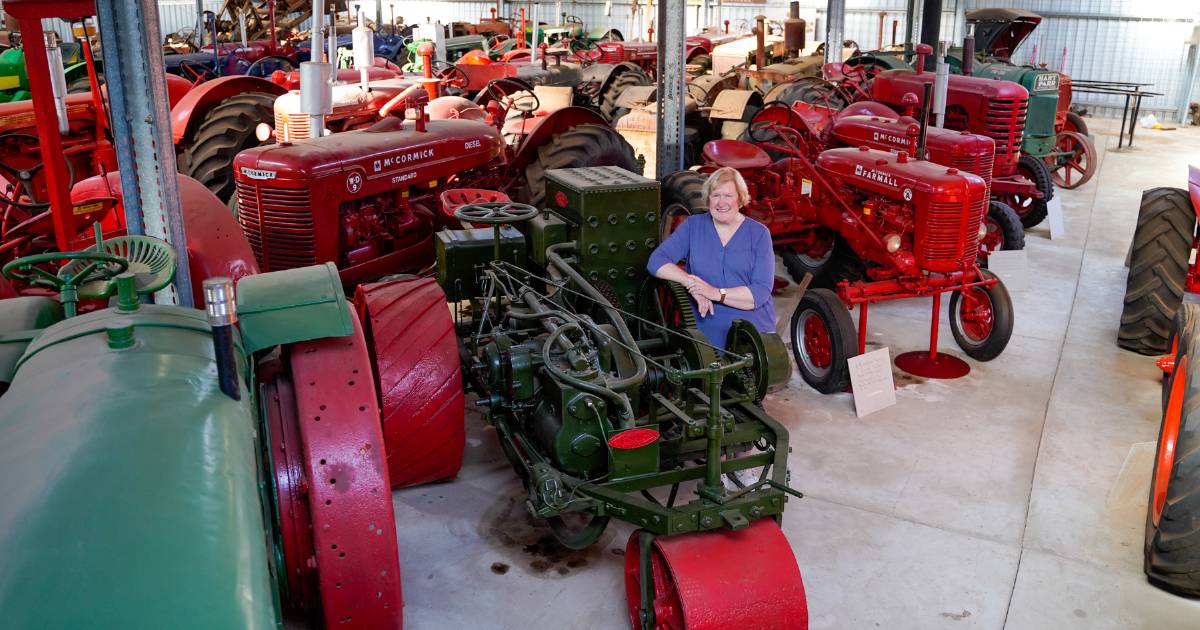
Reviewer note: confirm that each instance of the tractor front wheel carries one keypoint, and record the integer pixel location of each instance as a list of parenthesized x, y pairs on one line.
[(1172, 552), (226, 130), (1003, 230), (1158, 262), (581, 145), (1032, 210), (823, 339), (981, 319)]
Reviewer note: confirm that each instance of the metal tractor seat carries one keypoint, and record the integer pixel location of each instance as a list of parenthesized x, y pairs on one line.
[(455, 198), (736, 154), (151, 260)]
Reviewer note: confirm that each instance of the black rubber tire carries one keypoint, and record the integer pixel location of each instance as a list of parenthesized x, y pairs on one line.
[(1078, 122), (842, 264), (226, 130), (1012, 233), (703, 60), (582, 145), (608, 98), (681, 189), (1162, 243), (1036, 170), (1002, 323), (1172, 550), (843, 339)]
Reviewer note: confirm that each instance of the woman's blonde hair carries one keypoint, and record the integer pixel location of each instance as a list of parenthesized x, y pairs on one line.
[(724, 175)]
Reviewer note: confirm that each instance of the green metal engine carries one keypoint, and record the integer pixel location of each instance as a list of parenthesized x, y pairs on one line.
[(609, 403)]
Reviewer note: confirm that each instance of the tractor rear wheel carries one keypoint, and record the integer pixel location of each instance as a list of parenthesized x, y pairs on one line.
[(1075, 123), (981, 320), (682, 196), (608, 98), (1033, 211), (1172, 552), (1162, 244), (823, 339), (838, 263), (1003, 230), (702, 60), (582, 145), (226, 130), (415, 360)]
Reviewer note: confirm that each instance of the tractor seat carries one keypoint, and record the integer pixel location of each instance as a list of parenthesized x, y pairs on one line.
[(151, 261), (455, 198), (735, 154)]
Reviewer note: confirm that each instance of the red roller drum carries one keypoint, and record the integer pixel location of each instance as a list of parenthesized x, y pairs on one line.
[(417, 374)]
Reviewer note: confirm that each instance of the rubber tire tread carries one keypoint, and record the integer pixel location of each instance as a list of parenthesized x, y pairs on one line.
[(417, 371), (1041, 178), (1010, 225), (843, 339), (702, 59), (1078, 122), (1162, 242), (1172, 550), (226, 130), (1002, 323), (581, 145), (844, 264), (608, 99)]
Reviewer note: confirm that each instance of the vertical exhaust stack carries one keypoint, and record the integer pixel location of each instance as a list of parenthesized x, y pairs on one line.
[(941, 81), (364, 50), (760, 34), (316, 95), (221, 309), (58, 80), (793, 30), (926, 108), (242, 27), (968, 54)]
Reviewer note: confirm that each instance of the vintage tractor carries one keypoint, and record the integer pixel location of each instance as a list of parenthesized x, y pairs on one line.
[(609, 403), (370, 200), (1162, 316), (913, 227)]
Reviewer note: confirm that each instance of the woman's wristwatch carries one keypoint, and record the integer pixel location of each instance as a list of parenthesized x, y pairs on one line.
[(722, 300)]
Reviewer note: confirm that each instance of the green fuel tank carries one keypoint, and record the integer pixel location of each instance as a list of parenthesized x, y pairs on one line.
[(132, 498)]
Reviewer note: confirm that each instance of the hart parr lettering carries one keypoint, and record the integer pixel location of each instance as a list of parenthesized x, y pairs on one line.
[(254, 173), (1045, 82), (875, 176), (887, 137), (405, 158)]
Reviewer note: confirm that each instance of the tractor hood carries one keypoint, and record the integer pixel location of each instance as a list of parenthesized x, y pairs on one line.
[(886, 174), (899, 134), (998, 32)]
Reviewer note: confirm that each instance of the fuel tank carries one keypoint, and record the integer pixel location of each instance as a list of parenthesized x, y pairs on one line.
[(137, 500)]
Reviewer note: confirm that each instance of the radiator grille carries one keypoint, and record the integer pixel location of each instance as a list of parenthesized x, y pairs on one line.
[(291, 127), (951, 239), (278, 223), (1005, 123), (980, 165)]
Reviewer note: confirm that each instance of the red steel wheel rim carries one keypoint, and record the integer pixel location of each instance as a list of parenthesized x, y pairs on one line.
[(993, 237), (1168, 439), (975, 313), (746, 579), (1075, 167), (817, 344)]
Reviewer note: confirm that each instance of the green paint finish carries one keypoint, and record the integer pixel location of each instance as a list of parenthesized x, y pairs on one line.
[(291, 306), (20, 318), (545, 230), (135, 500), (460, 254), (1043, 101), (615, 224)]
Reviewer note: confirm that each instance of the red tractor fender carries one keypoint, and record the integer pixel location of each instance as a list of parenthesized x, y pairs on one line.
[(1194, 188), (694, 49), (177, 88), (216, 245), (190, 110), (550, 126)]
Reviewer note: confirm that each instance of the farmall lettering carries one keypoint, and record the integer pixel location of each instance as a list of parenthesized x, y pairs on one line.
[(875, 176)]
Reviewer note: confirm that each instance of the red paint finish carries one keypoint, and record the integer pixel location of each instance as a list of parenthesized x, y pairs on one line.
[(633, 438), (190, 109), (353, 525), (1168, 439), (817, 343), (417, 373), (746, 579)]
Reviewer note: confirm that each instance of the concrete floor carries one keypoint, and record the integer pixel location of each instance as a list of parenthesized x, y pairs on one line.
[(1011, 498)]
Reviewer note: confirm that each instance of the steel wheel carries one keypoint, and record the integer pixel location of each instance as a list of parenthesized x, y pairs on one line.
[(981, 319), (1168, 438), (577, 530), (1074, 161)]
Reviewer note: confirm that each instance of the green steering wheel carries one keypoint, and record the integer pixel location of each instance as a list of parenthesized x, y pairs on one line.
[(101, 267)]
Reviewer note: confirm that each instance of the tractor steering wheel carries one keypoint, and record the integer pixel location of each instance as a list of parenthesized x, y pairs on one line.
[(22, 179), (260, 67), (450, 74), (102, 267), (495, 213), (766, 128), (198, 76), (573, 19), (496, 40), (587, 51), (493, 91)]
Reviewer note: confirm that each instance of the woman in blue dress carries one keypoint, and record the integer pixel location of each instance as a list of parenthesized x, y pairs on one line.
[(730, 264)]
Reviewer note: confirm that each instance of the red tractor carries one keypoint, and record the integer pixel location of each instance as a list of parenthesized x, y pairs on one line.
[(1161, 316), (914, 229), (370, 200)]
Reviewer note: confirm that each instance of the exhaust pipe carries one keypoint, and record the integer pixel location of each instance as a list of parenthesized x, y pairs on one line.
[(364, 50), (221, 309), (941, 80), (760, 33), (968, 54), (793, 31), (58, 80)]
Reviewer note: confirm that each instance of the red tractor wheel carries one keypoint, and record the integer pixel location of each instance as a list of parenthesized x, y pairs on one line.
[(823, 339), (982, 319), (335, 519), (581, 145), (416, 366), (1074, 161), (682, 196), (1032, 210), (1172, 551), (722, 579), (1003, 230)]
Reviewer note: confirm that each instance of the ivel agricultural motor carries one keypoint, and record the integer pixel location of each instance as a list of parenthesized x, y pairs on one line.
[(1162, 315), (610, 404), (370, 200), (914, 226)]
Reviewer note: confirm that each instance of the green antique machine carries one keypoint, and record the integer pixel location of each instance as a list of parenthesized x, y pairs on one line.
[(168, 467), (609, 403), (14, 82)]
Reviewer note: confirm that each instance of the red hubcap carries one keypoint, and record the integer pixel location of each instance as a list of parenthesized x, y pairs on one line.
[(1167, 441), (975, 314), (993, 238), (817, 343)]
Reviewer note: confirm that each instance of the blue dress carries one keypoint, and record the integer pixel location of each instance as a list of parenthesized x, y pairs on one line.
[(747, 260)]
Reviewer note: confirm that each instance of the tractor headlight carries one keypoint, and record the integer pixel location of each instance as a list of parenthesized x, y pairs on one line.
[(893, 243), (982, 230), (263, 132)]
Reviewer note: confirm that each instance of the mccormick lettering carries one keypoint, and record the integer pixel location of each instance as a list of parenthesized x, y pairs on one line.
[(875, 176), (887, 137), (405, 158), (253, 173)]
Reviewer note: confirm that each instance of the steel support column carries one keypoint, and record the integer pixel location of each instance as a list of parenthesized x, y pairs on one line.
[(137, 94), (672, 17), (835, 30), (931, 29)]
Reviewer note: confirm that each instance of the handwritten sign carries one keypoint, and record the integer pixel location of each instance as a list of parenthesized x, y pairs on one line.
[(871, 379)]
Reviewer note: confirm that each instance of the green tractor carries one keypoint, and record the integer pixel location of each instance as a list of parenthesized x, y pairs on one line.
[(14, 82), (608, 402)]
